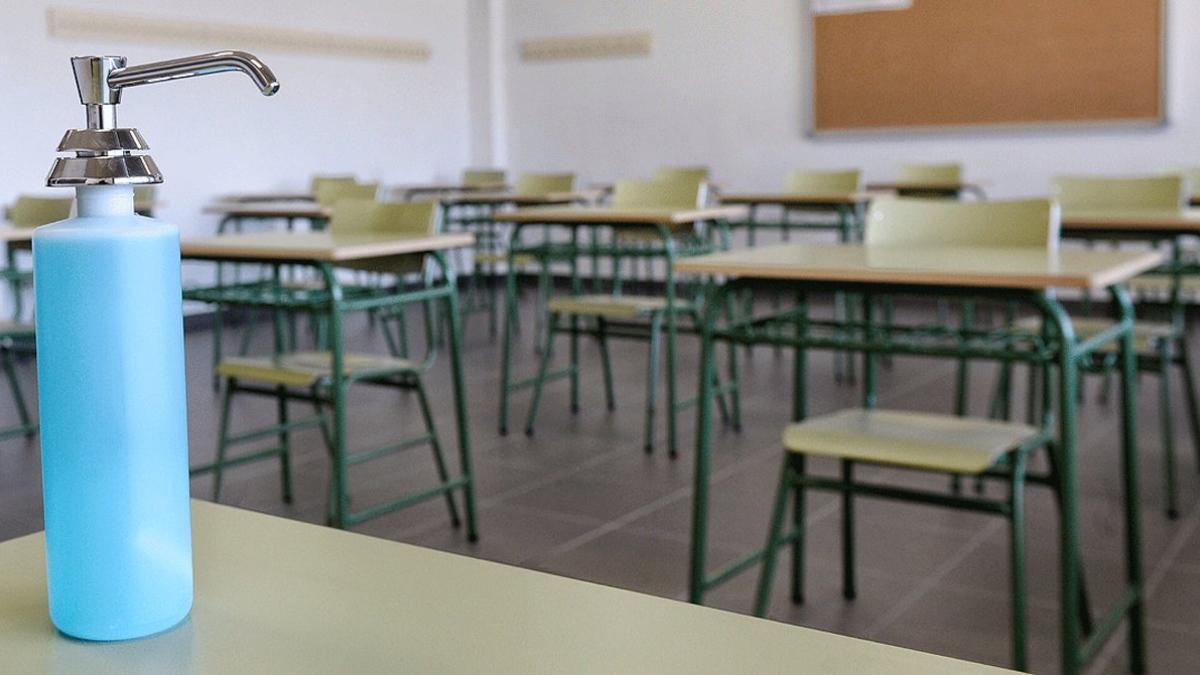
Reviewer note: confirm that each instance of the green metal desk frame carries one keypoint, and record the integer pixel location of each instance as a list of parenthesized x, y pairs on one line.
[(1060, 350), (665, 248), (333, 304)]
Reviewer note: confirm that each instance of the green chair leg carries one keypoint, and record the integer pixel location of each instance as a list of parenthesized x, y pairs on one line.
[(574, 372), (285, 454), (848, 583), (223, 435), (735, 382), (1189, 389), (436, 445), (652, 378), (606, 364), (543, 367), (1016, 520), (28, 428), (798, 525), (1168, 429), (766, 577)]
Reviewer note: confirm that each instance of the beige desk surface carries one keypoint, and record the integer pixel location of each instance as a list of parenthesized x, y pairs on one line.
[(267, 197), (609, 215), (417, 188), (1030, 268), (785, 199), (317, 246), (277, 596), (264, 209), (519, 199), (947, 187), (8, 233), (1181, 220)]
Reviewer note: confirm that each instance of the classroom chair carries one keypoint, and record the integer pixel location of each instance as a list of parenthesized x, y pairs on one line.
[(307, 377), (1160, 344), (942, 181), (821, 183), (484, 178), (914, 441), (1158, 287), (145, 198), (613, 305), (29, 212), (14, 336), (329, 192), (684, 174), (538, 184), (318, 180)]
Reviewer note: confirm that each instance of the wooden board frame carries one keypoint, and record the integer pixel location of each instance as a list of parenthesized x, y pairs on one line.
[(809, 123)]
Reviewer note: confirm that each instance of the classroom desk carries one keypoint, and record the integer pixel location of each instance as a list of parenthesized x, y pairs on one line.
[(944, 190), (848, 208), (274, 595), (1026, 276), (234, 212), (267, 197), (409, 191), (660, 222), (324, 251)]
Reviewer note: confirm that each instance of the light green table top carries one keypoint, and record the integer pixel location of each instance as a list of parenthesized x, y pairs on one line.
[(273, 595)]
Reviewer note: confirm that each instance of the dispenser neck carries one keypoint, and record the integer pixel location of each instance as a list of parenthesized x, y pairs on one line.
[(104, 200)]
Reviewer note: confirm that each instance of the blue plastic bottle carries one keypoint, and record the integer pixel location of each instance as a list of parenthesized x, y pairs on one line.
[(113, 419)]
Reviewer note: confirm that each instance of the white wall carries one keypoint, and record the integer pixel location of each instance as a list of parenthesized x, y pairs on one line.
[(381, 119), (726, 85)]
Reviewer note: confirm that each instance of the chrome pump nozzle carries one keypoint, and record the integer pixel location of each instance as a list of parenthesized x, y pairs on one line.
[(104, 152)]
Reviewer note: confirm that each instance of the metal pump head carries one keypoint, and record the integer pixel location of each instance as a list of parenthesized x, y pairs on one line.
[(104, 153)]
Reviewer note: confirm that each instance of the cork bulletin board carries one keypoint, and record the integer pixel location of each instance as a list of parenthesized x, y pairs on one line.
[(963, 63)]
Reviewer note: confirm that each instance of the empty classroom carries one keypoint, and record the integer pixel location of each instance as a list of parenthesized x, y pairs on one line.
[(817, 336)]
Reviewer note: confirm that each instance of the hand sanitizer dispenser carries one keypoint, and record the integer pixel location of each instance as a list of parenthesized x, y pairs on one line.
[(111, 372)]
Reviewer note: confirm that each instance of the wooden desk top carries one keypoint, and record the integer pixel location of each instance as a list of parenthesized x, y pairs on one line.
[(497, 198), (267, 197), (317, 246), (275, 209), (1178, 220), (427, 188), (786, 199), (981, 267), (274, 595), (932, 187), (8, 233), (602, 215)]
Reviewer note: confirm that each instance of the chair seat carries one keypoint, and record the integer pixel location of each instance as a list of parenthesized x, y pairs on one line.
[(13, 329), (303, 369), (502, 258), (913, 440), (618, 306), (1147, 335)]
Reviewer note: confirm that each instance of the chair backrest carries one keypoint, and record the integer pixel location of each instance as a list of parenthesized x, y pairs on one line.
[(144, 194), (544, 183), (317, 181), (1095, 192), (477, 177), (1192, 176), (329, 193), (367, 216), (30, 211), (694, 174), (929, 174), (800, 182), (916, 222), (658, 194)]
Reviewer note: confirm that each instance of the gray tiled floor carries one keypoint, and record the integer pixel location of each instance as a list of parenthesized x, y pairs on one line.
[(580, 498)]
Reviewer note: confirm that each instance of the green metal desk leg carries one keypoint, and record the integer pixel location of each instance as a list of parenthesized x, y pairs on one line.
[(703, 445), (460, 396), (510, 308), (1133, 535), (672, 340), (337, 385)]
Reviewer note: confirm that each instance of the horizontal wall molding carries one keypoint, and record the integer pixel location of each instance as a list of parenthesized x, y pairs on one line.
[(73, 23), (580, 47)]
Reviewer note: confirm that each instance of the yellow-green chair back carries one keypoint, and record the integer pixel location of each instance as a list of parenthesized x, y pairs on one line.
[(30, 211), (1093, 192), (693, 174), (483, 177), (657, 194), (366, 216), (815, 183), (317, 181), (926, 222), (929, 174), (329, 193), (545, 183), (1192, 176)]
